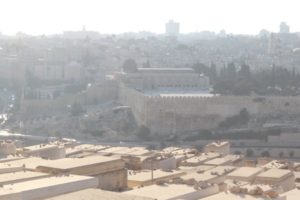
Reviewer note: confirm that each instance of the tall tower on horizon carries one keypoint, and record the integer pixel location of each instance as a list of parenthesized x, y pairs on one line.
[(272, 43), (172, 28), (284, 28)]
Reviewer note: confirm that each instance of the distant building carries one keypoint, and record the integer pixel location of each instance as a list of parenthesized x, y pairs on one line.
[(264, 33), (172, 28), (81, 34), (223, 33), (143, 79), (284, 28)]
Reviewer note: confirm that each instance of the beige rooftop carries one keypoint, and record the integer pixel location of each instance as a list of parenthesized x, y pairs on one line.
[(274, 175), (146, 175), (51, 186), (173, 191), (96, 194), (244, 174), (21, 176), (230, 196)]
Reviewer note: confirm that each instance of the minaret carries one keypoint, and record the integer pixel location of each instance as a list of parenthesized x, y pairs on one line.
[(272, 43)]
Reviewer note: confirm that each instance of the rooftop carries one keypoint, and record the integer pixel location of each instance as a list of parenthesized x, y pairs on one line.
[(275, 174), (275, 164), (26, 161), (46, 182), (37, 148), (65, 164), (168, 191), (166, 70), (20, 177), (96, 194), (172, 92), (145, 175), (231, 196), (218, 161), (218, 143), (244, 172), (202, 158)]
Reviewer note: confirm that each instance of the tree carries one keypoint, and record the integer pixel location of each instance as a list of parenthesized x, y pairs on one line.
[(231, 71), (151, 147), (199, 148), (237, 152), (249, 153), (58, 134), (162, 145), (281, 154), (76, 109), (143, 132), (147, 65), (200, 68), (244, 116), (243, 87), (224, 87), (213, 72), (245, 72), (265, 154)]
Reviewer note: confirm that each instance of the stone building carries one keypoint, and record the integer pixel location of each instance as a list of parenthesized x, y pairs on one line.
[(110, 171), (143, 79), (218, 147)]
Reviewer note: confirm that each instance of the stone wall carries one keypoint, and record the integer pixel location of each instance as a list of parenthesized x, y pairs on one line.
[(164, 115), (94, 94)]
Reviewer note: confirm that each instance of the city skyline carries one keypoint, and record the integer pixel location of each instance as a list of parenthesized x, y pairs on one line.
[(53, 17)]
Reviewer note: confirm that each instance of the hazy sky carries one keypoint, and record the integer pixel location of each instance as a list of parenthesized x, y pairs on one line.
[(118, 16)]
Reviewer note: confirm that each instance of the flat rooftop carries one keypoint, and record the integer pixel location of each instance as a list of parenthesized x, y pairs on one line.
[(6, 168), (67, 164), (169, 149), (189, 169), (13, 195), (166, 70), (10, 158), (78, 148), (96, 194), (171, 92), (46, 182), (275, 164), (37, 148), (231, 196), (244, 172), (129, 150), (221, 170), (218, 143), (167, 191), (274, 174), (202, 158), (218, 161), (33, 166), (113, 149), (26, 161), (292, 194), (21, 176), (145, 175)]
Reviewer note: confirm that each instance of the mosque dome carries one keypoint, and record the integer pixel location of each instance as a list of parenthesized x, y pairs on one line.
[(129, 66)]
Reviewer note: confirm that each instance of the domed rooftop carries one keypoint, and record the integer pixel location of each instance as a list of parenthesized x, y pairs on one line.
[(129, 66)]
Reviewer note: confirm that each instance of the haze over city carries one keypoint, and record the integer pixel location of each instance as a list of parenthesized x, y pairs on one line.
[(117, 16), (149, 100)]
